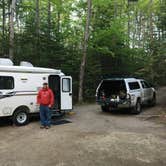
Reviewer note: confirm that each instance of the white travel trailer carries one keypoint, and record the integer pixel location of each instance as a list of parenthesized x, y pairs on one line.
[(19, 86)]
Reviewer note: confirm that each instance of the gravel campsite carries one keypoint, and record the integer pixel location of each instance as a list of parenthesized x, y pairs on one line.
[(93, 138)]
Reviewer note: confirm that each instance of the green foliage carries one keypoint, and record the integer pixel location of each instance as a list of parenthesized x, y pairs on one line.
[(155, 68), (93, 75), (121, 40)]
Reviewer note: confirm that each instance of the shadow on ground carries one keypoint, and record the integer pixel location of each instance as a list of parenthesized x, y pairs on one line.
[(7, 121), (127, 112)]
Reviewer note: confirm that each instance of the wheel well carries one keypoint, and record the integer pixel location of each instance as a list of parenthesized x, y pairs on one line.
[(23, 107)]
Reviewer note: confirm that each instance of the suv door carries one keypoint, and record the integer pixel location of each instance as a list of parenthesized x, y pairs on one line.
[(135, 91), (148, 92)]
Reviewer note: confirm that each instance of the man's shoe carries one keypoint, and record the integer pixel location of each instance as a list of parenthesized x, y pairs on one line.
[(42, 126), (47, 127)]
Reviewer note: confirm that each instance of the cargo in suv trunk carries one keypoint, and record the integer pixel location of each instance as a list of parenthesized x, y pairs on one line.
[(111, 92)]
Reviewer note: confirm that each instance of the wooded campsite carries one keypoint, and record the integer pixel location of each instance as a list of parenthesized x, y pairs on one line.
[(88, 40), (109, 57)]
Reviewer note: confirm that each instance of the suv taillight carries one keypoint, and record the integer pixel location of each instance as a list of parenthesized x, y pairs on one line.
[(103, 96)]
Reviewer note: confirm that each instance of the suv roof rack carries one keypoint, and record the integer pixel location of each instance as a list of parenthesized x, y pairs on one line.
[(118, 76)]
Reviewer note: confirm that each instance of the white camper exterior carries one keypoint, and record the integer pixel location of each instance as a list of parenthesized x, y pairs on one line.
[(19, 86)]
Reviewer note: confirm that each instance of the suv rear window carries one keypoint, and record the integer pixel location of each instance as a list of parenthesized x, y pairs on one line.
[(111, 87), (134, 85)]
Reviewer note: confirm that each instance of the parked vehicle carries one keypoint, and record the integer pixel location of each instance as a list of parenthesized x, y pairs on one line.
[(19, 86), (125, 93)]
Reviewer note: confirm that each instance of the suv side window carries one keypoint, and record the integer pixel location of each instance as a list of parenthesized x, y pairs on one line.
[(134, 85), (145, 84)]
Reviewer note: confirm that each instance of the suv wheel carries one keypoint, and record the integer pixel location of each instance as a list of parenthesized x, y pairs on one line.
[(105, 108), (137, 109), (153, 101)]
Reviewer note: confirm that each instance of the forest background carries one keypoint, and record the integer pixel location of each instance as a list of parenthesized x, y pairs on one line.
[(87, 39)]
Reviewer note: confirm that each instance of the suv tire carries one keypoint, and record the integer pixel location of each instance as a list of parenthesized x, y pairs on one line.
[(137, 109), (153, 101), (105, 108)]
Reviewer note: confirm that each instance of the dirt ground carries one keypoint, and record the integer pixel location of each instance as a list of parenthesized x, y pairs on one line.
[(92, 139)]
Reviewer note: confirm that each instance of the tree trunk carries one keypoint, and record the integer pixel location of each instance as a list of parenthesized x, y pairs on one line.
[(128, 22), (135, 29), (144, 27), (115, 9), (11, 29), (3, 27), (49, 19), (85, 43), (37, 32), (3, 22), (37, 21), (151, 20), (139, 30), (59, 11), (58, 21)]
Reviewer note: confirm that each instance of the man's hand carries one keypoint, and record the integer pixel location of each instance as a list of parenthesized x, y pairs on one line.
[(49, 105)]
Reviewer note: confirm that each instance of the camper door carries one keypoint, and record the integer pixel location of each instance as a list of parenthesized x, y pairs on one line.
[(66, 93)]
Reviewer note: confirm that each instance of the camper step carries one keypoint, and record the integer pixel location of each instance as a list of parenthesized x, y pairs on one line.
[(57, 113)]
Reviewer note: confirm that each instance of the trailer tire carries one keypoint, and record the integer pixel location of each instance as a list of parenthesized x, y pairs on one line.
[(137, 108), (20, 117), (104, 108)]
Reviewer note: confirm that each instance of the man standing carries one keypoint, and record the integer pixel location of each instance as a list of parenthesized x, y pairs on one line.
[(45, 98)]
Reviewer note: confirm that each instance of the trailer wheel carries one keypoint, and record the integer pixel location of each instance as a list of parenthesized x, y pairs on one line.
[(137, 108), (105, 108), (20, 117)]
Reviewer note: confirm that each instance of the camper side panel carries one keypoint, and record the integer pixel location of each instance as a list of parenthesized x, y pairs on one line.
[(24, 92)]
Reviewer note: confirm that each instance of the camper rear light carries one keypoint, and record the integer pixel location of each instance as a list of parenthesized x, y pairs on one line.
[(103, 97)]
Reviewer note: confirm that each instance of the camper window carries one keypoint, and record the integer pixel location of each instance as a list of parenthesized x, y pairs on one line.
[(66, 85), (6, 82)]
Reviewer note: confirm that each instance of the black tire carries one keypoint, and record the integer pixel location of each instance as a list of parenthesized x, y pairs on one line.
[(105, 108), (20, 117), (137, 109), (153, 101)]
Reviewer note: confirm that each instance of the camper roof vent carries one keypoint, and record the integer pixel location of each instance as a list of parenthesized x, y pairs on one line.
[(6, 62), (27, 64)]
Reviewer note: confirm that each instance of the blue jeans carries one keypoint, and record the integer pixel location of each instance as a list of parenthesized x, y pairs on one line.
[(45, 115)]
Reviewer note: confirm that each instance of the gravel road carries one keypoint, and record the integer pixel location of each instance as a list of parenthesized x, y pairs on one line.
[(93, 138)]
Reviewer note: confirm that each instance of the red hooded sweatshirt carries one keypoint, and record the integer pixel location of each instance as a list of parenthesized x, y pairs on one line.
[(45, 97)]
